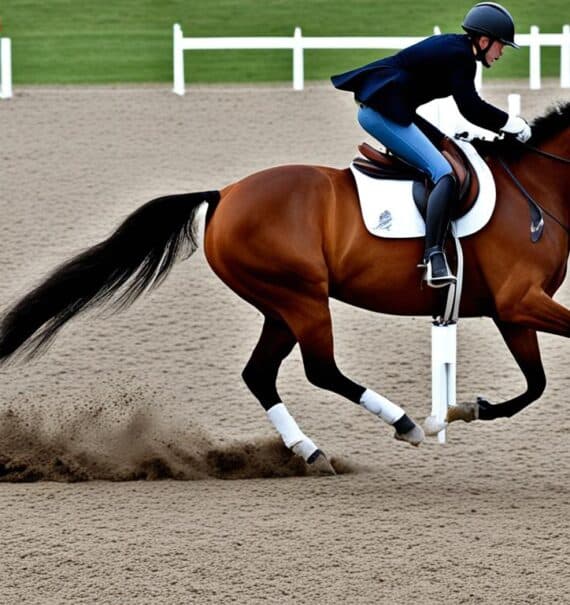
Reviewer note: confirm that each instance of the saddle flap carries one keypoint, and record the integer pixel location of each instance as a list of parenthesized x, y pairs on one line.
[(468, 182)]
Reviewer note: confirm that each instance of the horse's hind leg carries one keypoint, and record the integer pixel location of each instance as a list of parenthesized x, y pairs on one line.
[(310, 321), (260, 375)]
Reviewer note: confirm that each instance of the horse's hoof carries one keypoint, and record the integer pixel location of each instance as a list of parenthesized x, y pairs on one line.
[(432, 426), (414, 436), (463, 411), (319, 464)]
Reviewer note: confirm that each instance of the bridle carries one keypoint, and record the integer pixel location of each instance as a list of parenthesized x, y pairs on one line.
[(536, 210), (545, 154)]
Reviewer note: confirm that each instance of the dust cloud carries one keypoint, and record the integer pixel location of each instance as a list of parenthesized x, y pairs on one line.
[(122, 433)]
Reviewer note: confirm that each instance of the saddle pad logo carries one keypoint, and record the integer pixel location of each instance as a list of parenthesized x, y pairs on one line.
[(385, 221)]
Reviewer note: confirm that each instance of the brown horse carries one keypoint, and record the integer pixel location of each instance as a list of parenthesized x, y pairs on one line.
[(288, 238)]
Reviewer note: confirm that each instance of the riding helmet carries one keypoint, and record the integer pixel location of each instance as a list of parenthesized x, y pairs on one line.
[(492, 20)]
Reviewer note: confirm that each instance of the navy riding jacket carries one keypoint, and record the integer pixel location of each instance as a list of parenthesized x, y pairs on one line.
[(437, 67)]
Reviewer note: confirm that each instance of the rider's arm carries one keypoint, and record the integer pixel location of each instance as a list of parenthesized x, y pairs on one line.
[(473, 108), (481, 113), (517, 126)]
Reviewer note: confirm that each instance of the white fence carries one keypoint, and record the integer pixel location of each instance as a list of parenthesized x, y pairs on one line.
[(297, 43), (5, 68)]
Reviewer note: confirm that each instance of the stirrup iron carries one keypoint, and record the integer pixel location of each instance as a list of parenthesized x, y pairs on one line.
[(437, 271)]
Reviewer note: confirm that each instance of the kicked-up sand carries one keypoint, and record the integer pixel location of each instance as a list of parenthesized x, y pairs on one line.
[(137, 468)]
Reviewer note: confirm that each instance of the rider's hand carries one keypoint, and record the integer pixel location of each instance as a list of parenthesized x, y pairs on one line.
[(518, 127)]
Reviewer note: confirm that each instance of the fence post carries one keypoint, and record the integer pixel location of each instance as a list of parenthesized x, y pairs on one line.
[(479, 76), (514, 104), (178, 60), (298, 66), (534, 45), (447, 116), (565, 58), (5, 68)]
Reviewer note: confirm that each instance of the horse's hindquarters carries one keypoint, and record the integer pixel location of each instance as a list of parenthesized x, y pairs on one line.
[(268, 234)]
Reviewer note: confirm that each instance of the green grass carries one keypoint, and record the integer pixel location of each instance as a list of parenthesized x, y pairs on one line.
[(75, 41)]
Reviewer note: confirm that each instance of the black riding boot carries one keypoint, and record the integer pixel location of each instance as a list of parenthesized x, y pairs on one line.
[(442, 196)]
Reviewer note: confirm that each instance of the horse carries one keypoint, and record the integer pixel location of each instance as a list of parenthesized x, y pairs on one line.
[(289, 238)]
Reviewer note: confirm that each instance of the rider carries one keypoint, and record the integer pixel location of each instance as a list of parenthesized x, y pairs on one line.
[(389, 91)]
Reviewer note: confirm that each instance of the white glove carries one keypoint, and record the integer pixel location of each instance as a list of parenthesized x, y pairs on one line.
[(518, 127)]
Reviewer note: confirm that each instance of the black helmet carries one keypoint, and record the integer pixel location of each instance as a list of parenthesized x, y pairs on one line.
[(491, 20)]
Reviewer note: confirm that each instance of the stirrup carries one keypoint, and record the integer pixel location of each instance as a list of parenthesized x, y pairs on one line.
[(442, 276)]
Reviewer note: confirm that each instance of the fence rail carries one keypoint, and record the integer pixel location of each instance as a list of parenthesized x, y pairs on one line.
[(298, 43)]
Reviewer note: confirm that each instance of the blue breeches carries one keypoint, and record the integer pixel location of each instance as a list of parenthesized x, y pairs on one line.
[(407, 142)]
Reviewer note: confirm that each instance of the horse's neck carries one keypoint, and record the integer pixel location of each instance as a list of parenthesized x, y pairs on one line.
[(552, 174), (546, 181), (560, 146)]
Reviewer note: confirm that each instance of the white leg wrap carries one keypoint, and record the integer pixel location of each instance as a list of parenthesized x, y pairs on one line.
[(305, 448), (293, 437), (382, 407)]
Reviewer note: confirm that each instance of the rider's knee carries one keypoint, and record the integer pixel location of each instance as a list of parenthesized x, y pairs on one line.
[(442, 170)]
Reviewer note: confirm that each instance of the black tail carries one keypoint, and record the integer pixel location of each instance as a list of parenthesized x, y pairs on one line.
[(139, 255)]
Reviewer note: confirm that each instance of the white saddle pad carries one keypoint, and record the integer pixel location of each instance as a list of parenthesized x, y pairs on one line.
[(388, 207)]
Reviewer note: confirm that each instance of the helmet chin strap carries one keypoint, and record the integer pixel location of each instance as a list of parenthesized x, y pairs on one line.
[(481, 54)]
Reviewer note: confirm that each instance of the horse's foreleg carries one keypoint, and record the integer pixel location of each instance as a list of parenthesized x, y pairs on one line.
[(536, 310), (523, 344)]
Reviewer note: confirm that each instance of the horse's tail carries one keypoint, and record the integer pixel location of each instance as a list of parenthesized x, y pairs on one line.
[(137, 256)]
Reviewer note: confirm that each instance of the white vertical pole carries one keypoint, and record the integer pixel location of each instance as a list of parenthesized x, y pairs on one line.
[(298, 67), (443, 372), (178, 60), (447, 116), (565, 58), (451, 369), (534, 58), (514, 104), (436, 30), (5, 68), (479, 76)]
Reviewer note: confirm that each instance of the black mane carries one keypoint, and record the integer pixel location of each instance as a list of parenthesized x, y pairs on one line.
[(543, 128)]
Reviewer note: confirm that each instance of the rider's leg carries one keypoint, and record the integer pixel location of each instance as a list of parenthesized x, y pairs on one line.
[(412, 145), (439, 205)]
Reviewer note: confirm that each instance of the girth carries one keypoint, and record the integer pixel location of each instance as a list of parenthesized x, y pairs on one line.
[(384, 165)]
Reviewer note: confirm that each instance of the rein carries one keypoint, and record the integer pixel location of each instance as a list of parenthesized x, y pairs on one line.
[(536, 210), (546, 154)]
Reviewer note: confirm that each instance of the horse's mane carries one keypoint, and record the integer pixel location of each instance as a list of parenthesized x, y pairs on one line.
[(543, 128)]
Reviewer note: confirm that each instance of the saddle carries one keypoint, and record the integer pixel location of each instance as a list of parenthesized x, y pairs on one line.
[(384, 165)]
